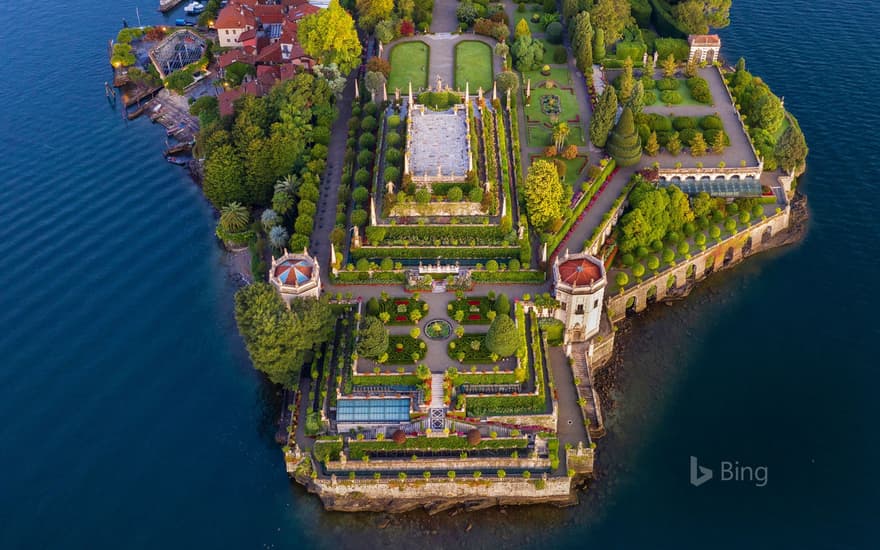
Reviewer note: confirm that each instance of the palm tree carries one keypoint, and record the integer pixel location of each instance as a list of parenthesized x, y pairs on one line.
[(560, 133), (234, 217), (288, 184), (278, 237)]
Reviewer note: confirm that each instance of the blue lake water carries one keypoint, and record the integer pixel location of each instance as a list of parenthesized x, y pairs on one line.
[(132, 418)]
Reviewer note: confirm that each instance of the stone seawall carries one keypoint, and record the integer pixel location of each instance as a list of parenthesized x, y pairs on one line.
[(395, 496), (722, 255)]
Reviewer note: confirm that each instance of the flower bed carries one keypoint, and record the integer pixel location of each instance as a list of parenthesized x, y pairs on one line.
[(402, 347), (475, 310), (472, 346), (400, 310)]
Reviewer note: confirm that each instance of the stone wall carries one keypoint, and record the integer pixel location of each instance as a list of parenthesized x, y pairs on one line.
[(442, 465), (710, 260), (400, 496)]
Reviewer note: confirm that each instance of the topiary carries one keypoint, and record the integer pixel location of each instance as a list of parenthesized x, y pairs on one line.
[(670, 97), (553, 32)]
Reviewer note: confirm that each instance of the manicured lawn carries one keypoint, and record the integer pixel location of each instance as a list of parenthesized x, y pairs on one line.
[(569, 109), (541, 136), (558, 74), (473, 64), (409, 63), (683, 90), (548, 51), (574, 168)]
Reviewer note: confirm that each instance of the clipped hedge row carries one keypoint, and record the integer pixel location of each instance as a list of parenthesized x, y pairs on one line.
[(432, 252), (387, 380), (327, 449), (525, 276), (504, 405), (358, 449), (364, 277), (480, 233)]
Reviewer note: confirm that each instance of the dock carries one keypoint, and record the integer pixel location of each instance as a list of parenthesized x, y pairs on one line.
[(172, 112), (168, 5)]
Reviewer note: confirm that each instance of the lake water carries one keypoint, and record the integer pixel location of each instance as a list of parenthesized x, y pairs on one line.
[(131, 416)]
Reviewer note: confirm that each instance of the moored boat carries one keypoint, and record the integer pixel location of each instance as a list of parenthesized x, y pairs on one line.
[(194, 8)]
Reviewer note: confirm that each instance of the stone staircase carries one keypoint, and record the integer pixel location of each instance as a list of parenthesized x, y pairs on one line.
[(437, 391), (591, 410)]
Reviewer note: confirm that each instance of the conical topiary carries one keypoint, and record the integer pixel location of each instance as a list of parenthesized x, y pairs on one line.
[(624, 144)]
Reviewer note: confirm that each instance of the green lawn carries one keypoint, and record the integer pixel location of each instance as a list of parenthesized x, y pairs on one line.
[(574, 168), (685, 93), (558, 74), (473, 64), (409, 63), (569, 108), (541, 136)]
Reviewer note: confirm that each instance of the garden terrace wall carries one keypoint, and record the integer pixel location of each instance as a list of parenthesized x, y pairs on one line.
[(432, 252), (400, 496), (425, 443), (616, 303), (439, 466)]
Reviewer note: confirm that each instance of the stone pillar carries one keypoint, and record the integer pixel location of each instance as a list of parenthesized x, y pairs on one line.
[(508, 99), (406, 161), (467, 93), (494, 91), (355, 238), (372, 211), (544, 253), (357, 92), (528, 88), (333, 258), (384, 92)]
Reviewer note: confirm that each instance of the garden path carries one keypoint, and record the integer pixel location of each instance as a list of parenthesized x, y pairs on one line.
[(443, 18), (570, 425)]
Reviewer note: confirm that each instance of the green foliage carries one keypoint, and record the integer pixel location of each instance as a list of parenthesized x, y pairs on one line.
[(502, 336), (372, 338), (791, 149), (624, 145), (122, 55), (612, 16), (236, 72), (581, 31), (677, 47), (358, 449), (528, 54), (603, 117), (278, 338), (553, 32), (330, 37), (544, 194)]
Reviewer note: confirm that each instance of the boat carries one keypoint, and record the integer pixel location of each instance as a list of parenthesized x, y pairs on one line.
[(168, 5), (194, 8), (177, 160)]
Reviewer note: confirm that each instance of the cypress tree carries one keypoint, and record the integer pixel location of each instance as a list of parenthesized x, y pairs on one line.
[(582, 41), (599, 44), (698, 145), (653, 146), (624, 143), (603, 117)]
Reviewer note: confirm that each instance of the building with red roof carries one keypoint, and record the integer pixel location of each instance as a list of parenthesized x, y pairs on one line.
[(233, 20), (705, 48), (579, 285)]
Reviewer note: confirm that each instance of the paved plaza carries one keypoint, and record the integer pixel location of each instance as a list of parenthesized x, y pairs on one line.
[(439, 144)]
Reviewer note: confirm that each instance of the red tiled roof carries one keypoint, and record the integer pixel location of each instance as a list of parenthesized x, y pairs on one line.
[(249, 34), (235, 16), (273, 70), (579, 272), (297, 13), (226, 100), (269, 14), (288, 71), (228, 58), (704, 40), (270, 54)]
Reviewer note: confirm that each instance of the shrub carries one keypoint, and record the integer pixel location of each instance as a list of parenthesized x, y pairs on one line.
[(660, 123), (392, 139), (365, 158), (393, 121), (559, 54), (670, 97), (359, 217), (360, 194), (362, 176), (711, 122), (476, 194), (553, 32), (367, 141), (391, 174), (668, 83), (549, 6), (368, 124), (455, 194), (392, 156), (491, 266)]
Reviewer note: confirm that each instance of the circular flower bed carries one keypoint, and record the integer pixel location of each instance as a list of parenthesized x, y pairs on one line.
[(438, 329), (550, 104)]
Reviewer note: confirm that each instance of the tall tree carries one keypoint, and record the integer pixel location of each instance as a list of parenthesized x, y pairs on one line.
[(276, 338), (624, 143), (372, 338), (669, 66), (603, 117), (544, 193), (330, 37), (652, 147), (673, 145), (718, 143), (405, 8), (612, 16), (371, 12), (599, 44), (581, 32), (560, 134), (626, 81), (502, 337), (696, 16), (224, 176), (234, 217), (698, 145), (791, 149), (522, 29)]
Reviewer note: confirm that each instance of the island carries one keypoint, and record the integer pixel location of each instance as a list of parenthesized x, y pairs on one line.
[(443, 210)]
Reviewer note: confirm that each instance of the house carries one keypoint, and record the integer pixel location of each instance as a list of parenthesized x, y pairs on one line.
[(234, 20), (704, 48)]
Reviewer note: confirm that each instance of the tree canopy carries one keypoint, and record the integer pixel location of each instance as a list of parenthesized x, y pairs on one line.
[(544, 193), (330, 37), (791, 149), (612, 16), (603, 117), (277, 338), (653, 214), (697, 16), (372, 338), (502, 337)]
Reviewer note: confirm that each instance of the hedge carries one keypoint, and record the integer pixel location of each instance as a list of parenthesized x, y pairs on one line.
[(377, 277), (664, 21), (504, 405), (641, 12), (485, 378), (327, 449), (678, 47), (387, 380), (432, 252), (484, 233), (410, 345), (525, 276), (357, 449), (463, 345)]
